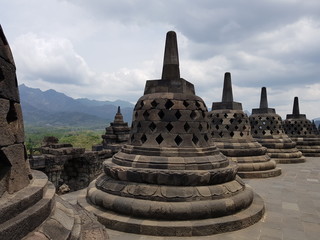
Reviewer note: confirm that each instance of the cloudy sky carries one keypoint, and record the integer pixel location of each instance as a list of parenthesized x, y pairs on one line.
[(107, 49)]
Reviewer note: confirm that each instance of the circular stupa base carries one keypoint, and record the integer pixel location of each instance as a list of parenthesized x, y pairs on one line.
[(260, 174), (201, 227), (289, 160)]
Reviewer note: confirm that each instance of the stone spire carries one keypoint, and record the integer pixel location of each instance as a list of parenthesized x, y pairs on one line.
[(170, 68), (227, 95), (296, 110), (263, 104), (5, 51), (263, 98)]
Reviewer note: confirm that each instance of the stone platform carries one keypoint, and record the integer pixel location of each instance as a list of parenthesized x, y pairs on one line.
[(292, 207)]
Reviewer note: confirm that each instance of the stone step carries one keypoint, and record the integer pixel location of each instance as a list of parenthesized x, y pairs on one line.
[(30, 218), (12, 205)]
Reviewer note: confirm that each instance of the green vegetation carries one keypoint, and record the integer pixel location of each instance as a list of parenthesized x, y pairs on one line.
[(78, 137)]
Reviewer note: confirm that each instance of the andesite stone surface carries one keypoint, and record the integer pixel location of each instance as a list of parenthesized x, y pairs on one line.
[(266, 128), (231, 132), (170, 179), (29, 208), (302, 131)]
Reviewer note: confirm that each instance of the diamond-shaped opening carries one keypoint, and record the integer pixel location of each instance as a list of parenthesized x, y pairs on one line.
[(203, 114), (169, 127), (178, 114), (227, 127), (278, 131), (232, 134), (195, 139), (152, 126), (264, 123), (154, 104), (198, 104), (244, 127), (178, 140), (271, 132), (185, 103), (231, 120), (159, 139), (225, 115), (241, 134), (186, 127), (235, 115), (141, 104), (139, 125), (268, 127), (255, 132), (168, 104), (263, 132), (193, 115), (217, 127), (200, 127), (239, 121), (143, 138), (267, 118), (236, 127), (221, 134), (146, 114), (161, 114), (221, 121), (206, 137), (217, 115)]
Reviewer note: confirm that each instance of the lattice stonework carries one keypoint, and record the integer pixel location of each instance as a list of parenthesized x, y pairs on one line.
[(232, 124), (294, 127), (266, 125), (169, 123)]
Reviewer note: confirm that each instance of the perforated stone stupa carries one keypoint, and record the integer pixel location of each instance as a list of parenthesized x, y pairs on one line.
[(300, 130), (266, 128), (170, 179), (231, 132)]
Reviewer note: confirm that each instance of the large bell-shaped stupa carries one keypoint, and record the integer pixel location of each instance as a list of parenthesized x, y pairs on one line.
[(170, 179)]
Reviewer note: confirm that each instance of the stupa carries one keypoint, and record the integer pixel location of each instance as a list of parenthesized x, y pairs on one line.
[(29, 208), (300, 130), (266, 128), (170, 179), (231, 132), (117, 134)]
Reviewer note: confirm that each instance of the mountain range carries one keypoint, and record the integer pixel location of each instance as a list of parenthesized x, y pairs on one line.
[(52, 108)]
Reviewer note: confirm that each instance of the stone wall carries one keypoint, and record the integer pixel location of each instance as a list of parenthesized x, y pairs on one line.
[(65, 164)]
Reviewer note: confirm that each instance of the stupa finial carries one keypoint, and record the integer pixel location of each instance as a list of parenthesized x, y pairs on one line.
[(295, 110), (119, 111), (227, 95), (5, 51), (171, 58), (263, 98)]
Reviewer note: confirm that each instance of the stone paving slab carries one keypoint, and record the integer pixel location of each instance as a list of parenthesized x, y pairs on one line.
[(292, 207)]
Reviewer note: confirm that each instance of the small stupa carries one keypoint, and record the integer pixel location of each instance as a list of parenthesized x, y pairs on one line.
[(231, 132), (117, 134), (170, 179), (301, 130), (266, 128)]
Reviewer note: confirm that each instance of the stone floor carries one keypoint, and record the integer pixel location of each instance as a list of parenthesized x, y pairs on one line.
[(292, 207)]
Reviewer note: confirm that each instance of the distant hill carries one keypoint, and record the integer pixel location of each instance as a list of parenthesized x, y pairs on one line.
[(52, 108)]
